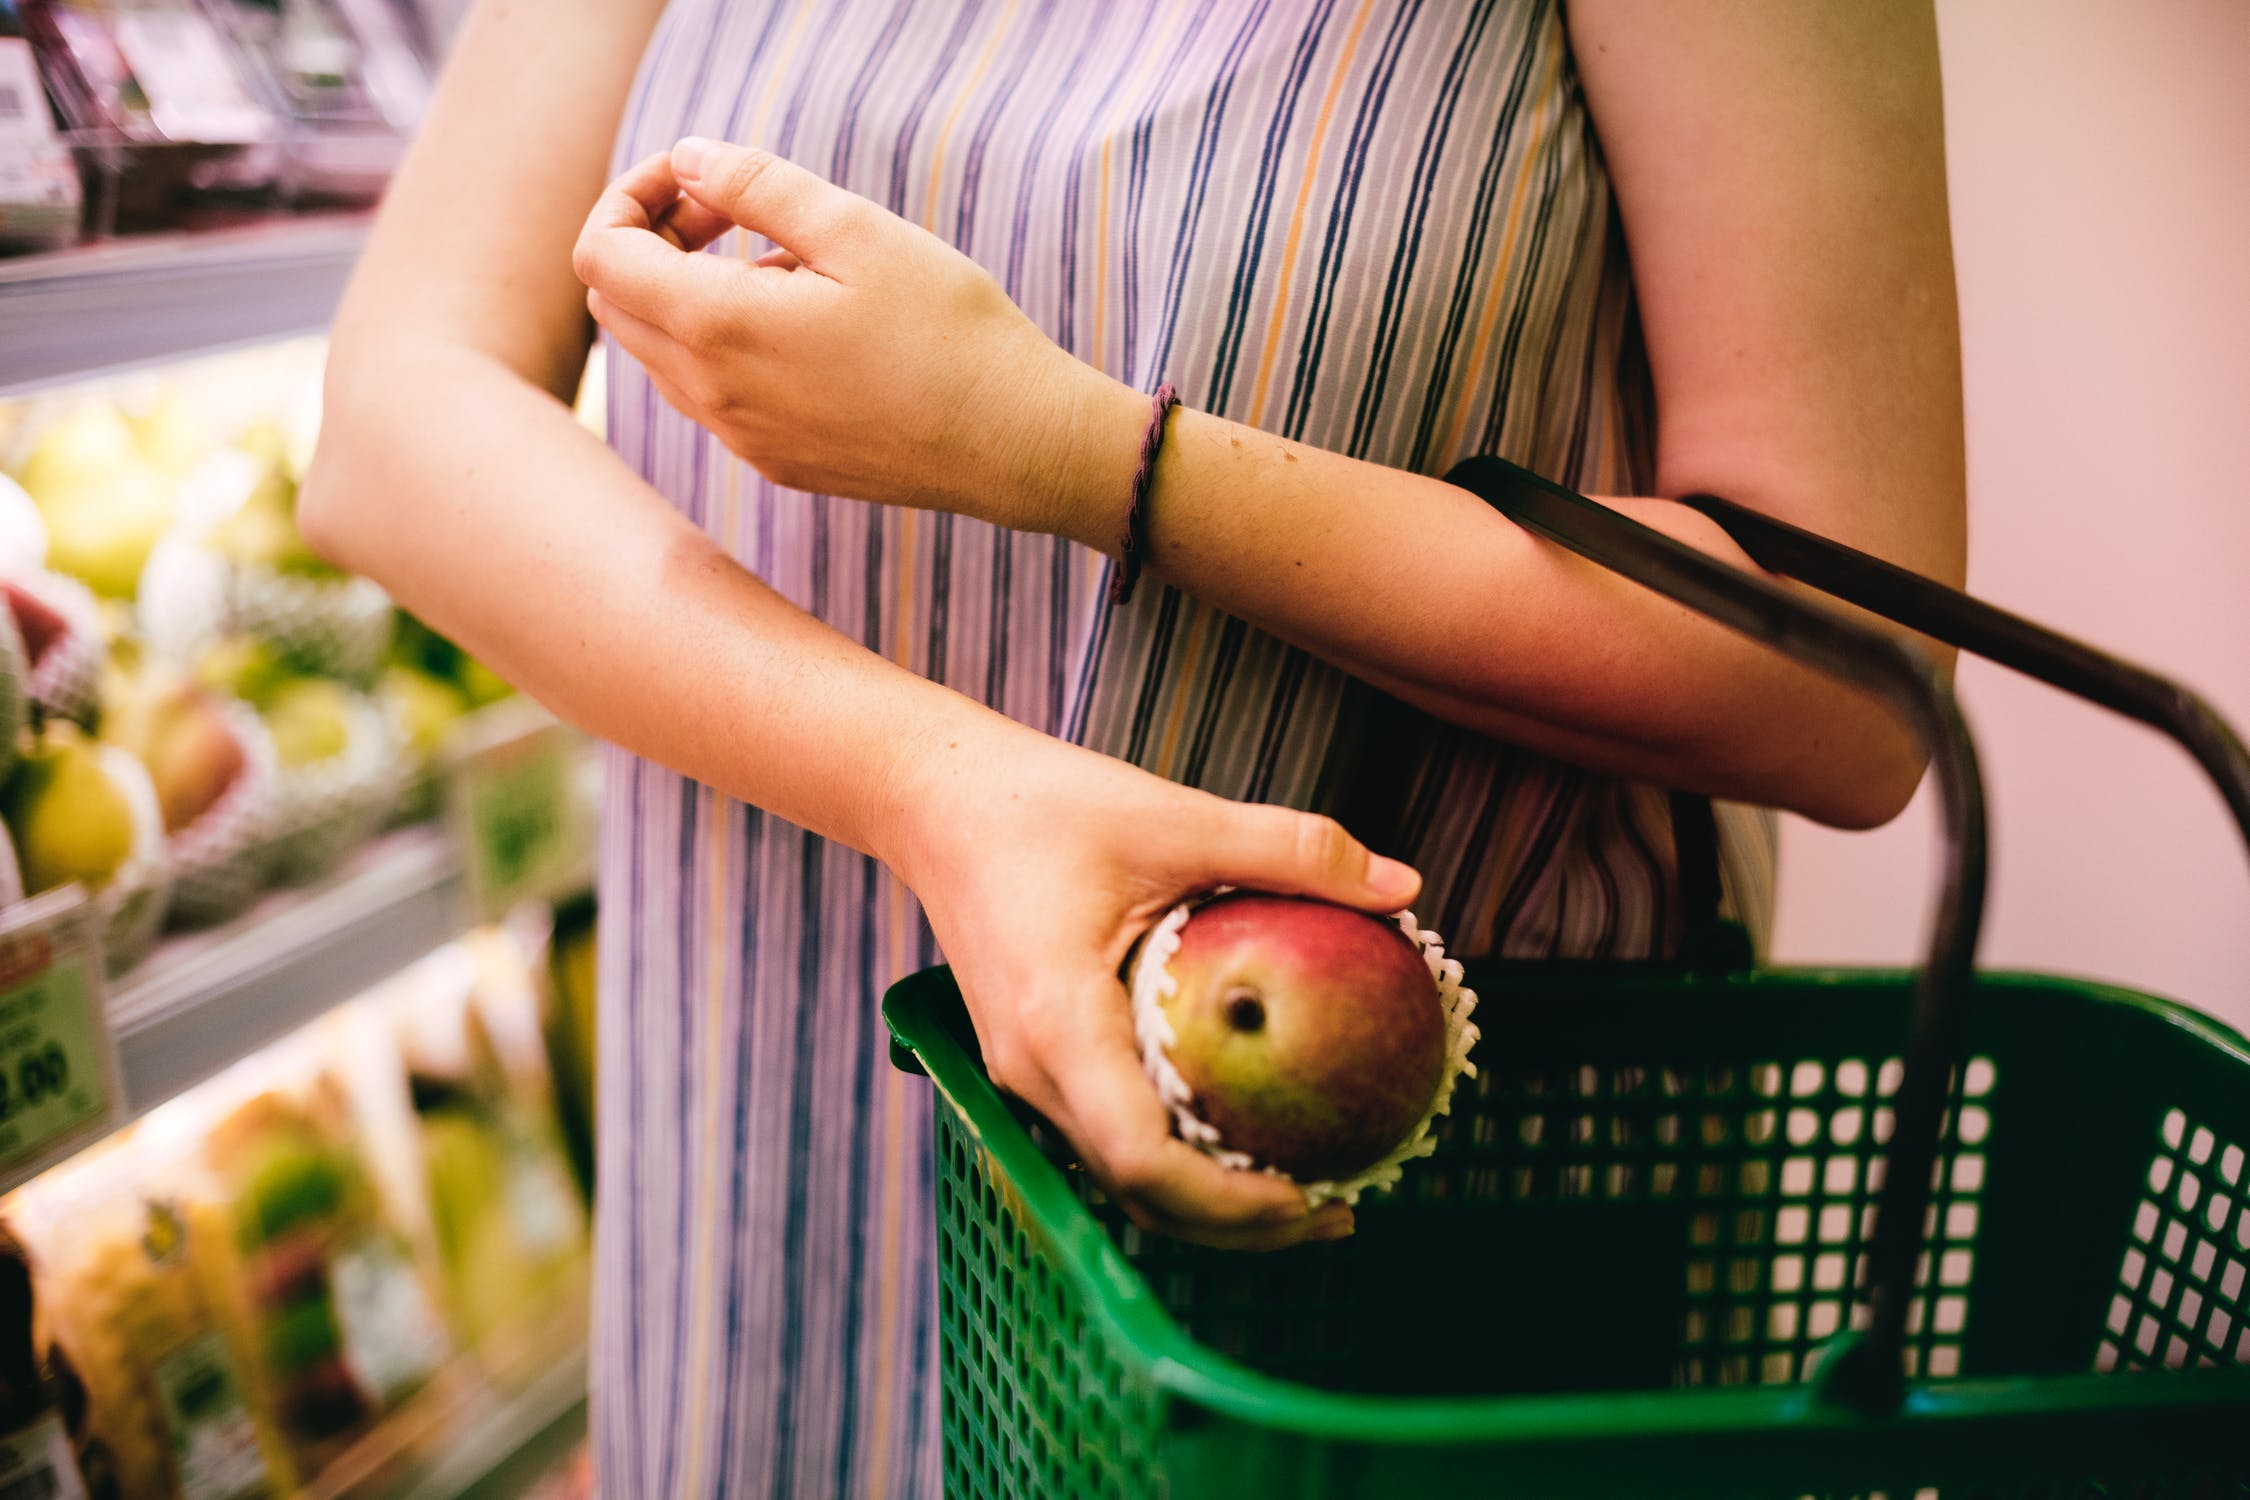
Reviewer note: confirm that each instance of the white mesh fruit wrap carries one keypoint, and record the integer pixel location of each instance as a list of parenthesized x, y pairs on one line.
[(323, 810), (219, 861), (339, 627), (139, 893), (1152, 982), (66, 681)]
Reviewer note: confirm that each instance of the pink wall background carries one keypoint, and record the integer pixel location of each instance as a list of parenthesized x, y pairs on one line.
[(2100, 176)]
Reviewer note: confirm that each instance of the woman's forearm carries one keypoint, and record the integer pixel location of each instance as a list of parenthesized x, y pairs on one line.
[(515, 531), (1423, 590)]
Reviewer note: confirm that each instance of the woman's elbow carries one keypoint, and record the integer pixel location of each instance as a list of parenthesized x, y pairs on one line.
[(1868, 785), (331, 502)]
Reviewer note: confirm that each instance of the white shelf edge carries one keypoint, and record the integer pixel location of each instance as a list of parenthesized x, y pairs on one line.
[(97, 309), (206, 999)]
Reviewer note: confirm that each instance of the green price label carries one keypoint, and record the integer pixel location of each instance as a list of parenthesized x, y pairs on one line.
[(54, 1044), (523, 817)]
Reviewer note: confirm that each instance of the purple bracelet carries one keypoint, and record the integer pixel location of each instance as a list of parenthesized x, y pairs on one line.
[(1135, 541)]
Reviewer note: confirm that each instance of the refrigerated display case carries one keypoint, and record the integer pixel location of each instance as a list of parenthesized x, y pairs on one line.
[(445, 857)]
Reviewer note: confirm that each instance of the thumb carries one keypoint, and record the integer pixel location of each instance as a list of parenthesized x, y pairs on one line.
[(796, 209), (1304, 854)]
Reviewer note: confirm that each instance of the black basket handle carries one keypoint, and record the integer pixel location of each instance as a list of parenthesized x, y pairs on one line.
[(1957, 619), (1866, 1372)]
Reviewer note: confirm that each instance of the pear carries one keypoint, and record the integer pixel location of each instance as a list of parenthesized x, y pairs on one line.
[(1311, 1036), (70, 820), (86, 446), (310, 719)]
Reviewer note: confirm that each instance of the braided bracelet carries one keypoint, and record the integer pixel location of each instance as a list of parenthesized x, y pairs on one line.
[(1135, 541)]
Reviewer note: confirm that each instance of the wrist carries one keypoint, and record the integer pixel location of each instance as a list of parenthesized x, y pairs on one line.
[(929, 797), (1074, 469)]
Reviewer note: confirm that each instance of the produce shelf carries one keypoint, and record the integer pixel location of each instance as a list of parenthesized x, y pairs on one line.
[(500, 1452), (460, 1439), (204, 999), (118, 303)]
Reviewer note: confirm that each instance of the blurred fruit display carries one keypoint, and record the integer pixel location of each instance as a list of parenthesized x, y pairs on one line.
[(362, 1247), (194, 706)]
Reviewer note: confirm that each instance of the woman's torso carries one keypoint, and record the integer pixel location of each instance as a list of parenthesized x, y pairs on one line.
[(1379, 226)]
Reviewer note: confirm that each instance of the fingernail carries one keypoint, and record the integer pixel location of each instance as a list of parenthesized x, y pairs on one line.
[(688, 156), (1338, 1227), (1393, 881)]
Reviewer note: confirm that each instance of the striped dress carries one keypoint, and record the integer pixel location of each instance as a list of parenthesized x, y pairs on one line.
[(1378, 226)]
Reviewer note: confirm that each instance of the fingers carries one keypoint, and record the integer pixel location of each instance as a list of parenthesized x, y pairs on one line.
[(625, 252), (690, 225), (1304, 854), (804, 213), (650, 345)]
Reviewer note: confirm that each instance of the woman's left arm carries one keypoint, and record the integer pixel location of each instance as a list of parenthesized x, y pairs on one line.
[(1780, 172)]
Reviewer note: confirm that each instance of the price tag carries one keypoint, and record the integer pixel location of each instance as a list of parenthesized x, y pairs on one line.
[(58, 1067), (523, 813)]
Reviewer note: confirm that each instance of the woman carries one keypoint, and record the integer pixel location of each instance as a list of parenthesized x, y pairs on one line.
[(1365, 238)]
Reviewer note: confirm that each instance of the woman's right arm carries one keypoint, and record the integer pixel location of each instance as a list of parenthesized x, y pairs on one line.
[(451, 470)]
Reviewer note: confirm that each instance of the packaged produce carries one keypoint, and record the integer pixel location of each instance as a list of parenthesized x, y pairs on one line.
[(506, 1218), (36, 1452), (165, 1406), (325, 1306)]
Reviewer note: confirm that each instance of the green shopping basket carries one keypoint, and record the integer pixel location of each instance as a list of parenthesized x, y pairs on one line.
[(1690, 1232)]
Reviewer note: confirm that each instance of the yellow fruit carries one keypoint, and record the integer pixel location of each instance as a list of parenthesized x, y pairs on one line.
[(101, 531), (244, 667), (310, 720), (481, 683), (174, 435), (69, 819), (263, 531), (85, 446), (426, 707)]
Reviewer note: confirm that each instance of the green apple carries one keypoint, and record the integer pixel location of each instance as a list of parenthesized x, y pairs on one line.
[(1312, 1036), (70, 820)]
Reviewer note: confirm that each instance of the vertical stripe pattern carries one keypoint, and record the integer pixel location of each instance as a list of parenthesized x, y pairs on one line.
[(1379, 226)]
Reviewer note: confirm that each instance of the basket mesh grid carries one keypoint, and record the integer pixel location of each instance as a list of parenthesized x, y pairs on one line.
[(1777, 1166), (2181, 1297), (1034, 1405), (1759, 1179)]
